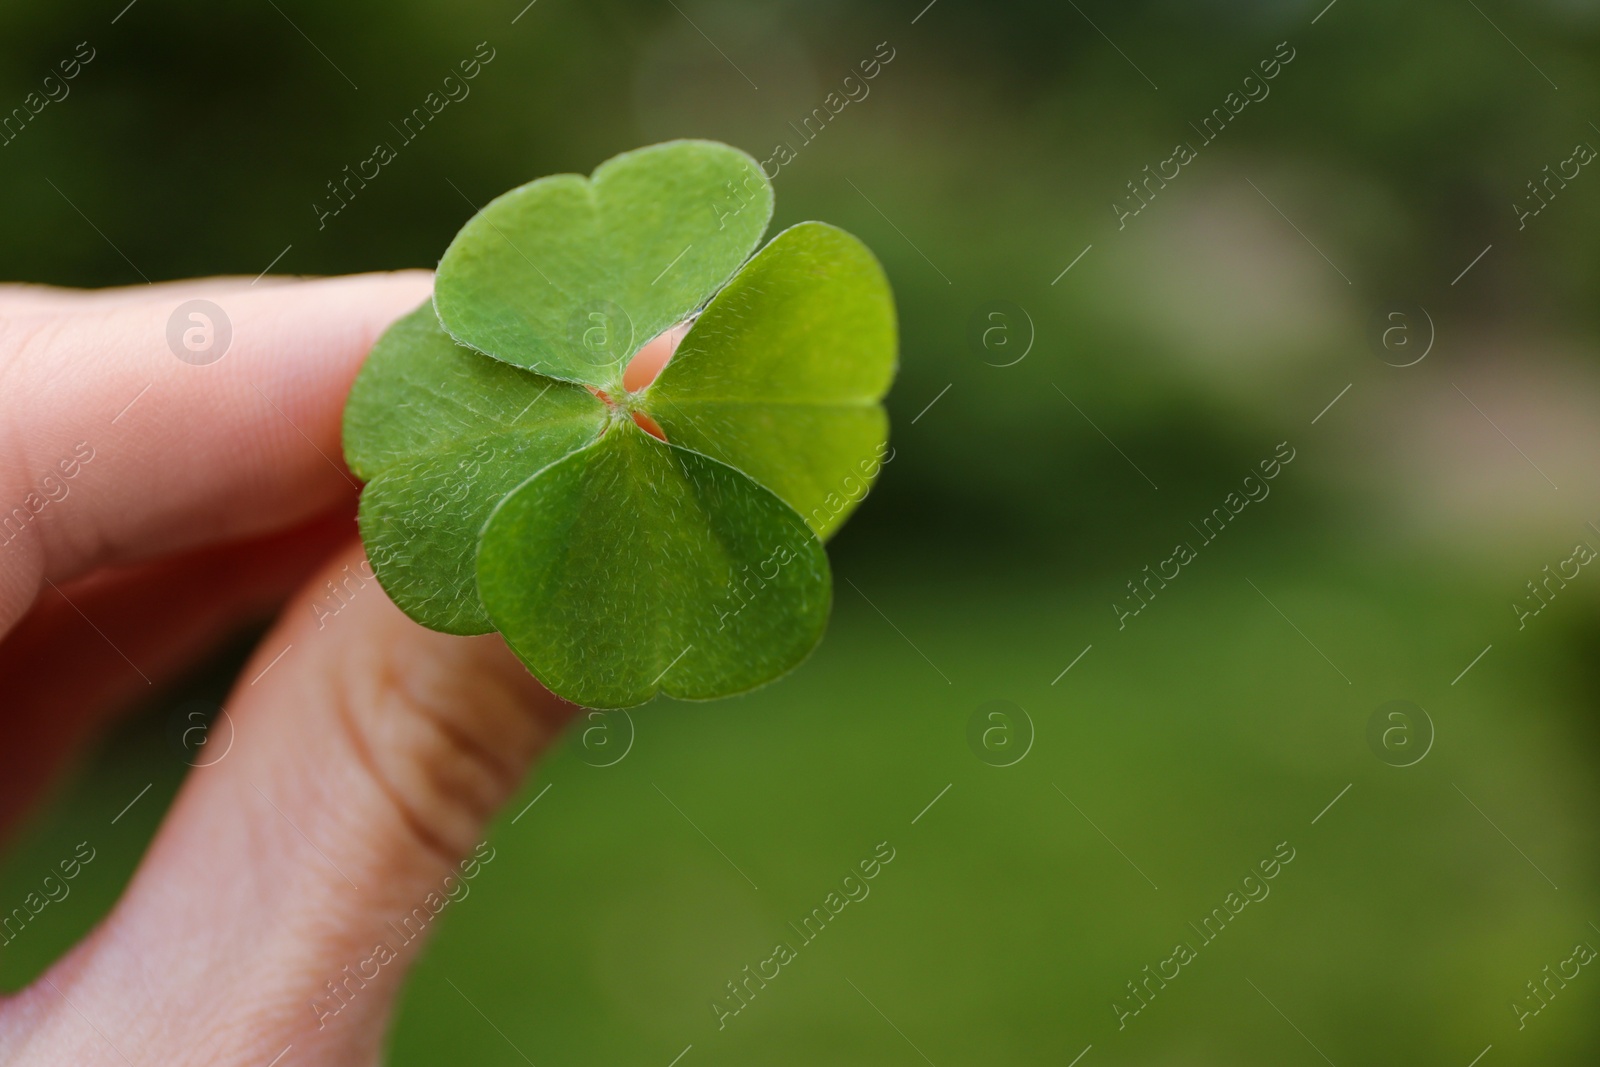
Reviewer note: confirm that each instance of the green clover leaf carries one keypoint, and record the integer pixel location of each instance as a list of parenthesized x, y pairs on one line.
[(570, 276), (512, 483), (782, 373), (631, 564), (443, 434)]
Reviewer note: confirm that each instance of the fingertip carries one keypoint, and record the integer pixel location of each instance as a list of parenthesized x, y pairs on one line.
[(150, 424)]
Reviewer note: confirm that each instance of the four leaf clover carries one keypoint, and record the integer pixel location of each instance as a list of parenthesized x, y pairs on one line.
[(514, 484)]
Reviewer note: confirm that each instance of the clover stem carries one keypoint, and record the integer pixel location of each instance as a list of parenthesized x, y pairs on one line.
[(627, 405)]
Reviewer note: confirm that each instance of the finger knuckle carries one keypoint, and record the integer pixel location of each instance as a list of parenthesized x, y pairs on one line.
[(445, 742)]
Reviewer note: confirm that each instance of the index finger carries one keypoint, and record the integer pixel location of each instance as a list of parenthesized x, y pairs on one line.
[(139, 427)]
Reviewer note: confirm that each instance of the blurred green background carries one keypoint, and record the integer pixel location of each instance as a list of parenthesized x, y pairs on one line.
[(1044, 458)]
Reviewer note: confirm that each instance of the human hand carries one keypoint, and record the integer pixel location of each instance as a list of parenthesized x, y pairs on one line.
[(149, 505)]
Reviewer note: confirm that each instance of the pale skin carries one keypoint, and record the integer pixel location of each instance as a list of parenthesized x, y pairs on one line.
[(366, 761)]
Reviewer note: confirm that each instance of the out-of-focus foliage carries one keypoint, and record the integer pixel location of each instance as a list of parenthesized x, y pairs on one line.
[(983, 157)]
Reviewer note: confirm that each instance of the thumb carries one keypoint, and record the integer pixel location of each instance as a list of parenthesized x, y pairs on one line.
[(296, 877)]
